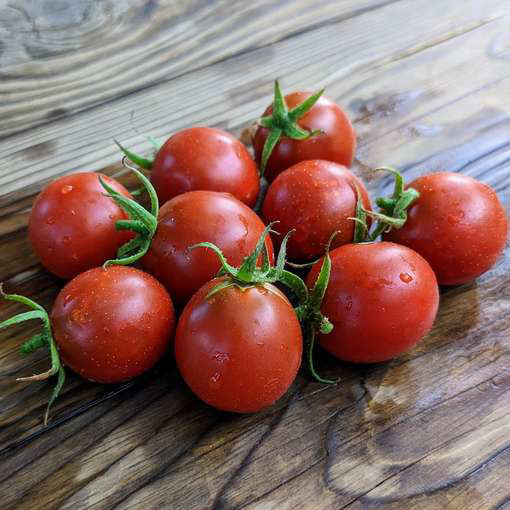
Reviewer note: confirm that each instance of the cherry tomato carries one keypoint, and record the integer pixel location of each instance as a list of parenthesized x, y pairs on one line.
[(457, 224), (203, 158), (316, 198), (337, 143), (382, 298), (112, 324), (193, 218), (72, 224), (240, 349)]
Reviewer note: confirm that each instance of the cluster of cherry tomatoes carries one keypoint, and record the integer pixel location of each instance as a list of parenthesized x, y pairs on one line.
[(245, 316)]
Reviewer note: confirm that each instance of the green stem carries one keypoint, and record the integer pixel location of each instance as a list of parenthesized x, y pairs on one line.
[(37, 341), (142, 162), (360, 220), (394, 208), (140, 221), (283, 122), (310, 358), (311, 317)]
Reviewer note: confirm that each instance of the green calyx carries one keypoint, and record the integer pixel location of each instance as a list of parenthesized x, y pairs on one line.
[(283, 122), (137, 159), (249, 273), (311, 317), (360, 220), (141, 221), (394, 208), (39, 340), (308, 309)]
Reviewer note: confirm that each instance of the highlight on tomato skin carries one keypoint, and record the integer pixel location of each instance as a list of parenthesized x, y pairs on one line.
[(382, 299), (195, 217), (72, 224), (205, 158), (240, 349), (457, 224), (112, 324), (335, 142), (314, 198)]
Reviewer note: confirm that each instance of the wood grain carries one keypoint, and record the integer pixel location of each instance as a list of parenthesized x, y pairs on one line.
[(62, 58), (235, 91), (427, 84)]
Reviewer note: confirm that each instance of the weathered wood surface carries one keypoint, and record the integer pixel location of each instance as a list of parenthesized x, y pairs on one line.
[(427, 84)]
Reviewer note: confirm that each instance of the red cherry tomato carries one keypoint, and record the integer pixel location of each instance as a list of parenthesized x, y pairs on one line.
[(382, 298), (196, 217), (240, 349), (203, 158), (72, 224), (112, 324), (337, 143), (316, 198), (457, 224)]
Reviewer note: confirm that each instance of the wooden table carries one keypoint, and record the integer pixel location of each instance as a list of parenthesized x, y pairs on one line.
[(427, 84)]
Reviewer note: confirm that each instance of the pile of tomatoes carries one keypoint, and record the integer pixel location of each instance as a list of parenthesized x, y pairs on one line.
[(221, 284)]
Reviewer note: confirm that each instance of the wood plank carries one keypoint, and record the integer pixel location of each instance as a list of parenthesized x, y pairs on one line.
[(59, 60), (241, 88), (474, 363), (428, 430)]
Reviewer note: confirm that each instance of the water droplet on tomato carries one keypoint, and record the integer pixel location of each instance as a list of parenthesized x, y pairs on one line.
[(406, 277), (111, 216), (455, 216), (242, 219), (67, 299), (80, 316), (221, 357), (74, 257), (348, 304), (50, 220), (50, 250), (66, 189), (214, 381), (66, 240)]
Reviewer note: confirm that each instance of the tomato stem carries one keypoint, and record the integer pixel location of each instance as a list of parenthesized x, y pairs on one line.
[(45, 338), (360, 220), (142, 162), (283, 122), (394, 208), (249, 273), (310, 340), (140, 221), (311, 317)]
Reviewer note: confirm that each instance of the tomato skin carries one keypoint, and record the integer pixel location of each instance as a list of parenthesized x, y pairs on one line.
[(112, 324), (239, 350), (204, 158), (72, 224), (316, 198), (382, 298), (457, 224), (195, 217), (337, 143)]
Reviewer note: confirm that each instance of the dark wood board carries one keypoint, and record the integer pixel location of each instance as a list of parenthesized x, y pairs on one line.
[(427, 85)]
